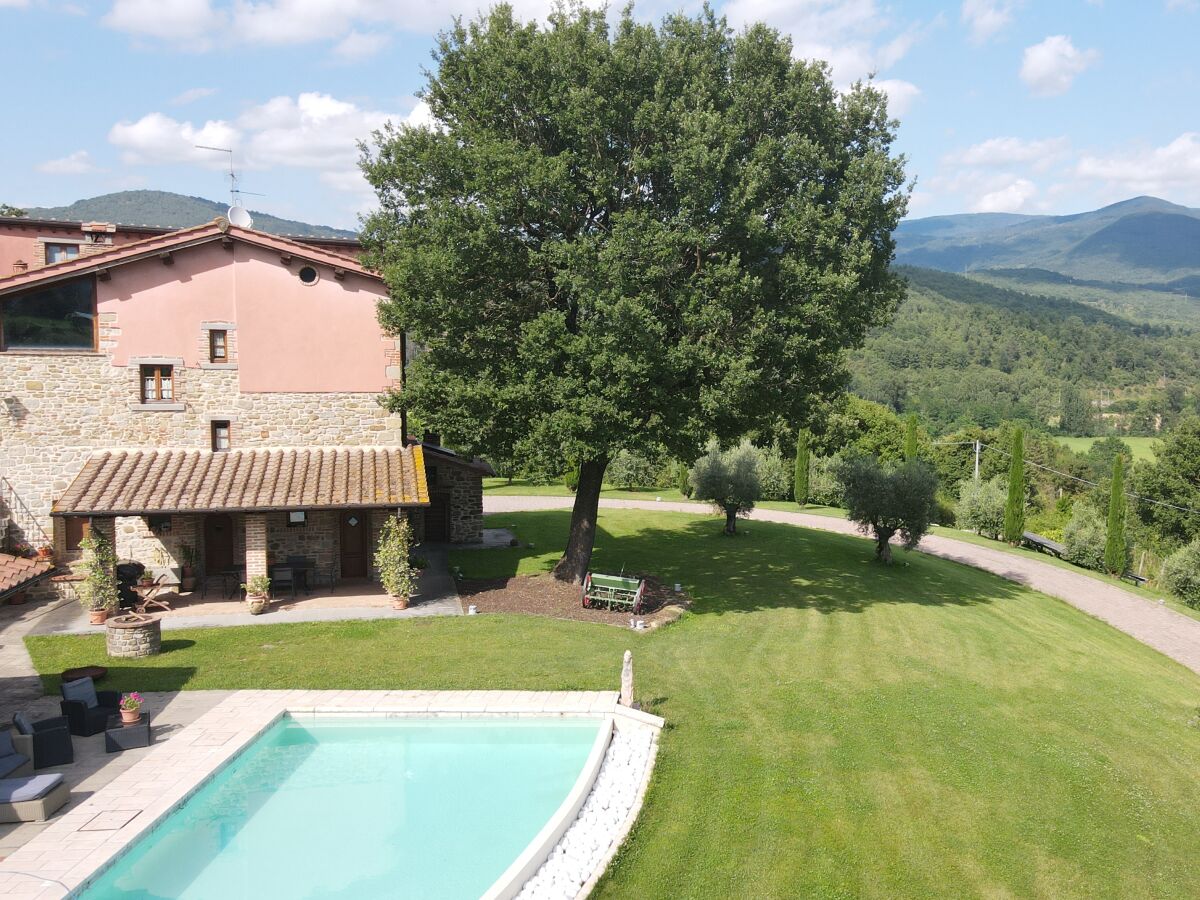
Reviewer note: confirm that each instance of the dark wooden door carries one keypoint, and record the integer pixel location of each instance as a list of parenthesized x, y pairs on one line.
[(355, 534), (218, 543), (437, 518)]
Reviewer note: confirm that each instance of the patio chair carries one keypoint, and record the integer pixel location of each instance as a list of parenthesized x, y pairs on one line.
[(88, 710), (12, 762), (303, 570), (153, 597), (47, 743), (283, 578)]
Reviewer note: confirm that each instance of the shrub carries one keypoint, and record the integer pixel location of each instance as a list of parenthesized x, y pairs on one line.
[(98, 590), (774, 474), (571, 478), (729, 480), (1084, 537), (980, 506), (1014, 509), (632, 471), (802, 468), (1116, 552), (1181, 574), (257, 586), (889, 499), (392, 558), (824, 487), (683, 479)]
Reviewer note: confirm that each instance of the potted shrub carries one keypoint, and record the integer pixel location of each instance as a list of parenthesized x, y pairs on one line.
[(97, 591), (45, 551), (392, 559), (187, 567), (258, 594), (131, 708)]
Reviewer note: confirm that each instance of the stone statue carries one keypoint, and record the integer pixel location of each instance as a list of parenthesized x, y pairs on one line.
[(627, 679)]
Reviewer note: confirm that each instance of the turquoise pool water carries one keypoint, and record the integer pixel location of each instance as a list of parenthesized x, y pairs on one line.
[(361, 808)]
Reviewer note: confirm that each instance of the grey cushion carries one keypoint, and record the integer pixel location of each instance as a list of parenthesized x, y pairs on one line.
[(18, 790), (83, 690), (22, 724), (11, 762), (6, 744)]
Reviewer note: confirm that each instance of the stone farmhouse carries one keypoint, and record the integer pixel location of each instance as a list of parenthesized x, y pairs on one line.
[(209, 395)]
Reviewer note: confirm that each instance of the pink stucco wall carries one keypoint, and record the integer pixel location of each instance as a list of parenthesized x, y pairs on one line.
[(18, 242), (291, 337)]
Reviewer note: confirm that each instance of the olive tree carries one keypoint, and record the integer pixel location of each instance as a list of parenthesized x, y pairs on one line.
[(729, 479), (886, 499), (628, 236)]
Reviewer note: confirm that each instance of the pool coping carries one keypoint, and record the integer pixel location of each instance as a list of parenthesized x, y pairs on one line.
[(80, 845)]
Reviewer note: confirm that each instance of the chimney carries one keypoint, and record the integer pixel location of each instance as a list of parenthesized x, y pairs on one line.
[(432, 437), (97, 237)]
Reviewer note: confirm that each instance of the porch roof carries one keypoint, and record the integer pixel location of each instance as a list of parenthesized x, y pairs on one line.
[(151, 481)]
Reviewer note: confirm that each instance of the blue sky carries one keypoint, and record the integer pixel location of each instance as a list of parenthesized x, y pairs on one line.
[(1054, 106)]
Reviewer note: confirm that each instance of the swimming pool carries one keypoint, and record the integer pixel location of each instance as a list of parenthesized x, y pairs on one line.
[(362, 807)]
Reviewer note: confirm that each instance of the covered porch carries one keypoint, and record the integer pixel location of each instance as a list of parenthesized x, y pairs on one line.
[(207, 522)]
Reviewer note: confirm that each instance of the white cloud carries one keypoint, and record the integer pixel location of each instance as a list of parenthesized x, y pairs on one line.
[(357, 46), (1049, 68), (900, 94), (1173, 168), (191, 95), (1006, 151), (156, 138), (1013, 197), (15, 4), (77, 163), (177, 21), (984, 18), (313, 130), (1184, 5), (420, 116)]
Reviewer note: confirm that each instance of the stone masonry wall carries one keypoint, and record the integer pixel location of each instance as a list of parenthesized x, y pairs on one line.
[(466, 503)]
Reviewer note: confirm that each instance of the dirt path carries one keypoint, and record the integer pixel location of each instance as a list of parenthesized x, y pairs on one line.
[(1157, 626)]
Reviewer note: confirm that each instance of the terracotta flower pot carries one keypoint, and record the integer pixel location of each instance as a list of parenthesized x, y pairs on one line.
[(399, 603), (258, 605), (44, 553), (131, 716), (97, 616), (16, 599)]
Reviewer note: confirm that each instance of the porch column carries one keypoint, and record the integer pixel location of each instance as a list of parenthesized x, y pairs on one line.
[(256, 545)]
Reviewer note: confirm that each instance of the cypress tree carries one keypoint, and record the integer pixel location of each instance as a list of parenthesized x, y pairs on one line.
[(800, 476), (1114, 546), (910, 438), (1014, 510)]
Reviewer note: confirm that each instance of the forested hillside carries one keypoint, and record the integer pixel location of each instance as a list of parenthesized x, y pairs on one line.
[(962, 351)]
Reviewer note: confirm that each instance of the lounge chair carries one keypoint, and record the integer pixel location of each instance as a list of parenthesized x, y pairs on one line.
[(12, 761), (47, 742), (34, 798), (88, 710)]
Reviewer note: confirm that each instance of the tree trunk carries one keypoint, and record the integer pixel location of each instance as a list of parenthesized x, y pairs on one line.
[(883, 547), (731, 522), (575, 559)]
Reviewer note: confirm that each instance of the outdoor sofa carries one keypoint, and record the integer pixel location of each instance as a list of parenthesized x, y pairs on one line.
[(33, 798), (12, 761)]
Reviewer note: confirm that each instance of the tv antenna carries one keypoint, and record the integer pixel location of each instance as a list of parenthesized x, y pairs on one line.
[(237, 214)]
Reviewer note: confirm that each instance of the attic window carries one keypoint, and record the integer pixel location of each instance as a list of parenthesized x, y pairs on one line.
[(308, 275)]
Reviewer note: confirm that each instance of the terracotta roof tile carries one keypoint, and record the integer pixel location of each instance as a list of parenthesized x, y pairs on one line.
[(16, 571), (135, 482)]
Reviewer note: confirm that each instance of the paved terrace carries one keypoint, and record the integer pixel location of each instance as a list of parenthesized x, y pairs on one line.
[(1170, 633)]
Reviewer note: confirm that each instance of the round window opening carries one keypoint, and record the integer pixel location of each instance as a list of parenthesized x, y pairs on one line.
[(308, 275)]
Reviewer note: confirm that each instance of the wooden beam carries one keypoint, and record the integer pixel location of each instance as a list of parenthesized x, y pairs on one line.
[(339, 273), (103, 274), (166, 258), (285, 258), (227, 242)]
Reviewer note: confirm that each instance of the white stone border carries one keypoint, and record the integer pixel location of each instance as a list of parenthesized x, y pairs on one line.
[(78, 846)]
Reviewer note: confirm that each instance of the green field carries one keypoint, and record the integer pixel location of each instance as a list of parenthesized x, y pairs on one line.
[(1142, 447), (835, 728)]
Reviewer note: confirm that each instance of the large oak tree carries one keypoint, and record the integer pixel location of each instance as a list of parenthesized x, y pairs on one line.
[(629, 237)]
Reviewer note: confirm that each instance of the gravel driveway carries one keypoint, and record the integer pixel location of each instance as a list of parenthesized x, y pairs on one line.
[(1155, 625)]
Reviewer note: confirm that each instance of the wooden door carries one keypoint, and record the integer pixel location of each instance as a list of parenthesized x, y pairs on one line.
[(218, 543), (355, 542)]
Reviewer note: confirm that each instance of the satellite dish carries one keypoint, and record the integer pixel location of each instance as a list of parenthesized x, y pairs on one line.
[(239, 217)]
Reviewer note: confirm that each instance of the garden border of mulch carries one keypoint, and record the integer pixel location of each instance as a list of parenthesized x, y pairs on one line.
[(544, 595)]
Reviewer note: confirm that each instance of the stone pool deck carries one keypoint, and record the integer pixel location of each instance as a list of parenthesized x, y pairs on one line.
[(76, 846)]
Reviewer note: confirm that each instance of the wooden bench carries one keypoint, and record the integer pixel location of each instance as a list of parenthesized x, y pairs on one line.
[(1134, 578), (1043, 544), (613, 592)]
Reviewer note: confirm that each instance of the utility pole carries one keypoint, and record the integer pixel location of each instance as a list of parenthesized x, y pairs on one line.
[(978, 443)]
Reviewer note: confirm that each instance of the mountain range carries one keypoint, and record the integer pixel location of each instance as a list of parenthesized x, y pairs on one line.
[(1144, 241), (164, 209)]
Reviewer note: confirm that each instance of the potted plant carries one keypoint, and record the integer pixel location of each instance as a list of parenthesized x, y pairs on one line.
[(131, 708), (98, 591), (45, 551), (258, 591), (187, 567), (396, 571)]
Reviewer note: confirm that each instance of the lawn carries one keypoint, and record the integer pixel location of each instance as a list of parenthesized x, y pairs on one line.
[(835, 728), (1141, 447)]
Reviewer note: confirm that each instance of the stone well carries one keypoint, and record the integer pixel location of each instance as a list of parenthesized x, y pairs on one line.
[(133, 635)]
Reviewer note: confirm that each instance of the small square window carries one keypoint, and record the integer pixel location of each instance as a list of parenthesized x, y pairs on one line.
[(158, 384), (77, 528), (159, 524), (56, 253), (297, 518), (218, 346), (220, 436)]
